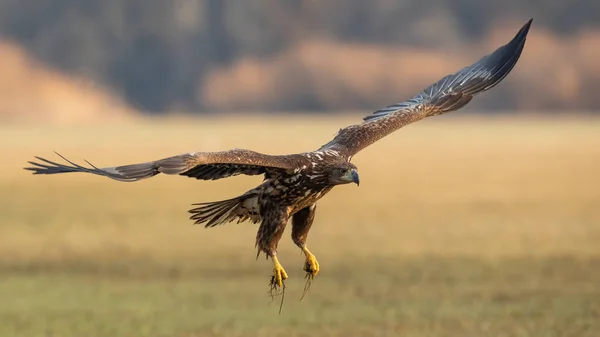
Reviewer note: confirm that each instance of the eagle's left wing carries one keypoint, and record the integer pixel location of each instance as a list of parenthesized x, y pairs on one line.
[(199, 165), (448, 94)]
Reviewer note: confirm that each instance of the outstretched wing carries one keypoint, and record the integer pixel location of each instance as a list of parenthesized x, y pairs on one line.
[(199, 165), (448, 94)]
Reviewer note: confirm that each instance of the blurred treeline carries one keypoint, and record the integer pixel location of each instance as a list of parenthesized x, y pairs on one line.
[(292, 55)]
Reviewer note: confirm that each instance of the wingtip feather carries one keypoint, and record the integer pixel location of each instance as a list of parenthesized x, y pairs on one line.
[(524, 31)]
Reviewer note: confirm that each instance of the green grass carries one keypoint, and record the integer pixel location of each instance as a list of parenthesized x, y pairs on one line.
[(415, 297), (460, 227)]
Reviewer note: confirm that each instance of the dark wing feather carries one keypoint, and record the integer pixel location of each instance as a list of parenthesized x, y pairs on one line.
[(448, 94), (217, 165), (199, 165)]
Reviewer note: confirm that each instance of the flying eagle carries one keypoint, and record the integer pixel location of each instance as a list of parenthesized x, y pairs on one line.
[(294, 183)]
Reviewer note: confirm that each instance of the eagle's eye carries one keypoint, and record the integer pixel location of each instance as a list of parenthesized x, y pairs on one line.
[(343, 171)]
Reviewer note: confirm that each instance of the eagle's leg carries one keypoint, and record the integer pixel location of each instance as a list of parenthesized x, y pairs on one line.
[(301, 223), (267, 238), (311, 266), (279, 274)]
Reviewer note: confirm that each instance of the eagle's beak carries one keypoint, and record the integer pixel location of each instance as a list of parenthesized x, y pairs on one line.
[(355, 177)]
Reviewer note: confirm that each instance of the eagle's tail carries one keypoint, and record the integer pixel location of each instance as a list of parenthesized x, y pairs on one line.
[(215, 213)]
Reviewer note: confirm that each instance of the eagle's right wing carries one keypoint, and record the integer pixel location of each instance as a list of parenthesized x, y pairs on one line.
[(451, 93), (199, 165)]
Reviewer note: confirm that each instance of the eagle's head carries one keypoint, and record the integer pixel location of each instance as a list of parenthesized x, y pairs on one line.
[(343, 173)]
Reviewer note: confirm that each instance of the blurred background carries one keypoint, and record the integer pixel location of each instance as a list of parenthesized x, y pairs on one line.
[(100, 59), (482, 222)]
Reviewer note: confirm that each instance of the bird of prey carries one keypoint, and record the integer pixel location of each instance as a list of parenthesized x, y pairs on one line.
[(294, 183)]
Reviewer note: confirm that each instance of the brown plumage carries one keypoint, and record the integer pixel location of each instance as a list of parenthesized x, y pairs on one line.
[(293, 183)]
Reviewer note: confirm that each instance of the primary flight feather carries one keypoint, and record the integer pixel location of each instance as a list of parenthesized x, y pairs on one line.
[(294, 183)]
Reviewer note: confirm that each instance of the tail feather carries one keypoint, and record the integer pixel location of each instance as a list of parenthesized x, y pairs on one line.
[(225, 211)]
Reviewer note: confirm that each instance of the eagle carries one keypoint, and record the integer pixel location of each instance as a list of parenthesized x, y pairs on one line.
[(293, 183)]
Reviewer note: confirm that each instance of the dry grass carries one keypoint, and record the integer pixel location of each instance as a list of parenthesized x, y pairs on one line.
[(461, 226)]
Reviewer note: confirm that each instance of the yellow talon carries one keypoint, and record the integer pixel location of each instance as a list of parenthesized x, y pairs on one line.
[(311, 266), (279, 274)]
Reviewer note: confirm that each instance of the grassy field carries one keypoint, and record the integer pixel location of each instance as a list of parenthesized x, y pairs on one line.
[(460, 227)]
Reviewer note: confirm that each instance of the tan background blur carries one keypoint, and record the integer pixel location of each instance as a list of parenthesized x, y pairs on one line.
[(483, 222), (88, 60)]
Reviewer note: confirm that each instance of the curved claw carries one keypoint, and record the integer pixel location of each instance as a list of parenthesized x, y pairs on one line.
[(311, 266), (277, 281), (279, 274)]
